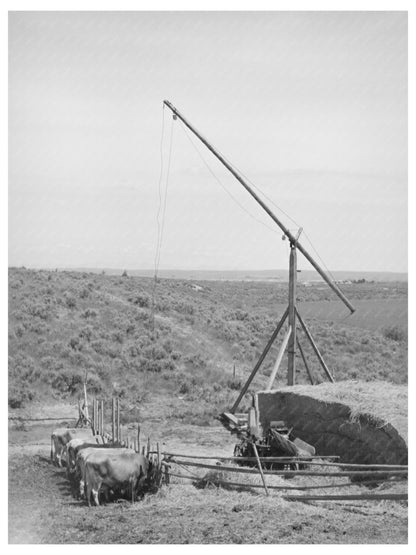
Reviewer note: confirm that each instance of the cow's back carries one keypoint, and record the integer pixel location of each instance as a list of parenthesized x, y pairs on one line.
[(117, 465)]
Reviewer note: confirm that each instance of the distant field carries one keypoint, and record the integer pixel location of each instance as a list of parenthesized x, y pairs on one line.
[(374, 314)]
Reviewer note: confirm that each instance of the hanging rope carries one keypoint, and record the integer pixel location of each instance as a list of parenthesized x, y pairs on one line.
[(165, 200), (161, 209)]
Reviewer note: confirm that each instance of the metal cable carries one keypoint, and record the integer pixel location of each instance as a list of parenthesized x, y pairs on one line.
[(157, 220), (165, 200), (222, 185)]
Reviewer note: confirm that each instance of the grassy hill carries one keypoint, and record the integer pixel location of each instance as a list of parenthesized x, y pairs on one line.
[(63, 324)]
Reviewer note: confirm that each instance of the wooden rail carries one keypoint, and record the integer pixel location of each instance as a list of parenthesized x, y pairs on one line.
[(27, 419), (281, 487), (243, 470), (314, 460), (253, 459), (358, 497)]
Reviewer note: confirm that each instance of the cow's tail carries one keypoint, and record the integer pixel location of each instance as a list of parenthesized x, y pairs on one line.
[(52, 449)]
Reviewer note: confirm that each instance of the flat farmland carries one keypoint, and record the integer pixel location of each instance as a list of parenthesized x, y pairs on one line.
[(370, 314)]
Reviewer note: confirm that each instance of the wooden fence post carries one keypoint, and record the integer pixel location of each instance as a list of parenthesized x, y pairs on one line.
[(167, 479), (118, 420), (102, 417), (113, 420), (96, 415)]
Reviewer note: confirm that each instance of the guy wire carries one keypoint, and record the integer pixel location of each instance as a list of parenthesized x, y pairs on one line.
[(157, 220)]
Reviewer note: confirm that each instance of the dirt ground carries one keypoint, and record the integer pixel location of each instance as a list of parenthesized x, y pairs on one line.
[(42, 510)]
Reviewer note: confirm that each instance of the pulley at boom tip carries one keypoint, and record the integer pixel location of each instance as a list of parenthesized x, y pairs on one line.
[(293, 240)]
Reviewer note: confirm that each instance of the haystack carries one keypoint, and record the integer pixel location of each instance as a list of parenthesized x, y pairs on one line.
[(362, 422)]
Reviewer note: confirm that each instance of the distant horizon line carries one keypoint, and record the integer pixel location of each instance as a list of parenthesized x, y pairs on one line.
[(184, 270)]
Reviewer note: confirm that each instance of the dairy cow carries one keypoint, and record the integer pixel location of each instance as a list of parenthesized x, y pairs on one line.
[(82, 455), (114, 469), (74, 446), (61, 437)]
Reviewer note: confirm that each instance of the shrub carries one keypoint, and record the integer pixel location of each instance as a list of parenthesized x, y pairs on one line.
[(39, 310), (86, 333), (196, 361), (395, 333), (176, 355), (67, 381), (19, 394), (184, 388), (75, 343), (70, 301), (234, 384), (141, 300), (89, 313), (117, 336), (84, 293)]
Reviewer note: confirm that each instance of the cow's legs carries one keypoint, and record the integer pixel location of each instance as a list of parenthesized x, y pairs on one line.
[(88, 491), (95, 496), (81, 488), (63, 455), (92, 487), (133, 484), (95, 492)]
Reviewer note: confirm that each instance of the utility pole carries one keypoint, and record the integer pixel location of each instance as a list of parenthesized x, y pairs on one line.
[(291, 349)]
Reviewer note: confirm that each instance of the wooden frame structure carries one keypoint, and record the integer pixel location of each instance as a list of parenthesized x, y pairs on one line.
[(291, 313)]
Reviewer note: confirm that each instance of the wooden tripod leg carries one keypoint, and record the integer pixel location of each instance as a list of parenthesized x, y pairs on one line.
[(302, 354), (260, 468), (279, 358), (260, 361), (315, 348)]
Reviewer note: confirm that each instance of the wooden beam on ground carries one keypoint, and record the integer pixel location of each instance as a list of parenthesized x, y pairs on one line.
[(358, 497), (284, 488)]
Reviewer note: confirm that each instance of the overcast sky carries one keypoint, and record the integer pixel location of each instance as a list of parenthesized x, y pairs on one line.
[(312, 107)]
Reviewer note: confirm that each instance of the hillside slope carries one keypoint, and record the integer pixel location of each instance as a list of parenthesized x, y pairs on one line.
[(64, 324)]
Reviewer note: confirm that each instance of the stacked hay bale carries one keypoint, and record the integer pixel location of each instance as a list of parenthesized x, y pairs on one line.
[(362, 422)]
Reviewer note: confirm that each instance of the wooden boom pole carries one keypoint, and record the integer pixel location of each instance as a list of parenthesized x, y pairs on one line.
[(288, 234)]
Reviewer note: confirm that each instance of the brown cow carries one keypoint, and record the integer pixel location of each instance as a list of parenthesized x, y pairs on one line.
[(114, 470), (61, 437)]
